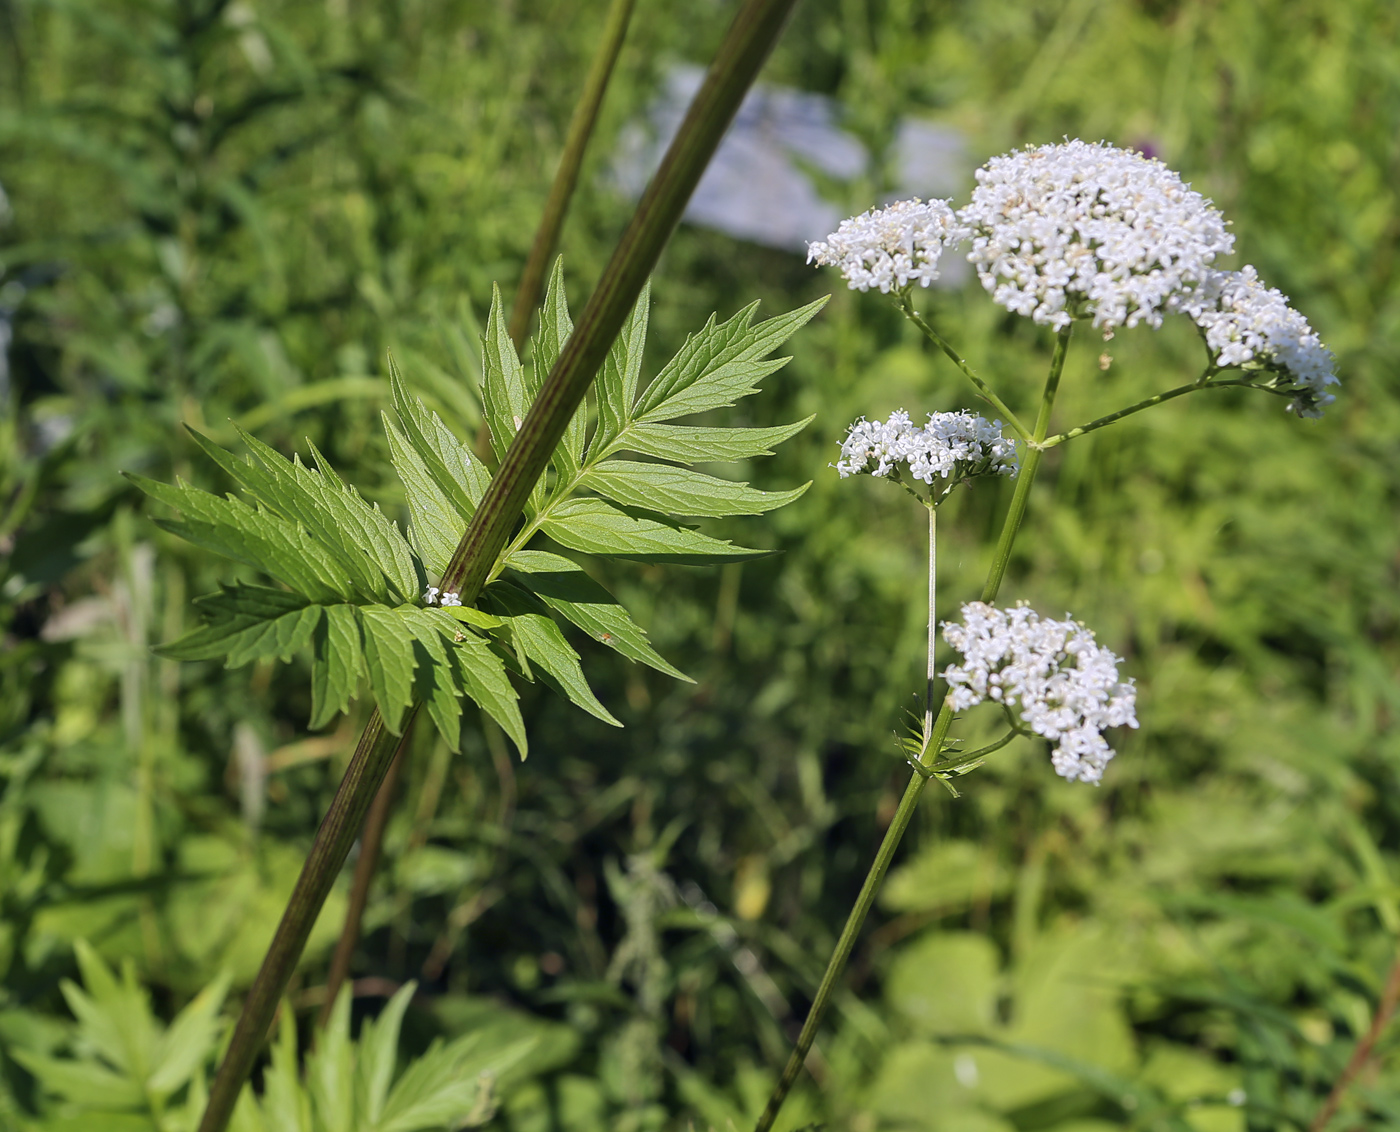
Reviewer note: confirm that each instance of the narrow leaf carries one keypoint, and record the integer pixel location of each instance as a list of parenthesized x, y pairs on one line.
[(506, 396), (246, 623), (554, 330), (565, 587), (598, 527), (690, 444), (617, 383), (434, 680), (434, 524), (86, 1082), (260, 539), (337, 664), (459, 475), (541, 640), (483, 675), (680, 491), (379, 1049), (186, 1046), (721, 364), (388, 646)]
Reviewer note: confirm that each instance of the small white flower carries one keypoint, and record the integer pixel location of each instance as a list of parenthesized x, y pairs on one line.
[(951, 446), (892, 247), (1076, 229), (1249, 324), (449, 599), (430, 597), (1065, 686)]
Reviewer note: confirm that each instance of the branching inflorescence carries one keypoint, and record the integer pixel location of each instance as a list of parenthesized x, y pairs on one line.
[(891, 248)]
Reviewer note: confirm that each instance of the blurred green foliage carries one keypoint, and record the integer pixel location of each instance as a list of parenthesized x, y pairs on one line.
[(234, 210)]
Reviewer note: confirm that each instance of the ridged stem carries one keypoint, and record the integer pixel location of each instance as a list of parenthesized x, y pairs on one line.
[(746, 46), (933, 746), (527, 296)]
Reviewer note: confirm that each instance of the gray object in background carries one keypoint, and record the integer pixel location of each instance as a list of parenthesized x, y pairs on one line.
[(757, 187)]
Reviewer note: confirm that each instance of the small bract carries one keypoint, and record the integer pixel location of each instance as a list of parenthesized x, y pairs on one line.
[(1080, 229), (951, 446), (890, 248), (1063, 684)]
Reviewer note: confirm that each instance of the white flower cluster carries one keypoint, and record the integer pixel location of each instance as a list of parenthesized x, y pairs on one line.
[(447, 599), (1065, 685), (1248, 323), (891, 247), (951, 445), (1080, 228)]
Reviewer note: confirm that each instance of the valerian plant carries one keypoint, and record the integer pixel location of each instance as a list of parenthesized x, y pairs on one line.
[(357, 592), (1061, 234)]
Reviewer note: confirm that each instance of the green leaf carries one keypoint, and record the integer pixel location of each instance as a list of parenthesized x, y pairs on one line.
[(379, 1048), (446, 1085), (116, 1019), (434, 525), (190, 1041), (388, 647), (554, 330), (85, 1082), (680, 491), (597, 527), (692, 444), (617, 383), (565, 587), (459, 475), (434, 679), (246, 623), (267, 542), (721, 364), (330, 1071), (541, 640), (505, 393), (483, 674), (286, 1105), (337, 664)]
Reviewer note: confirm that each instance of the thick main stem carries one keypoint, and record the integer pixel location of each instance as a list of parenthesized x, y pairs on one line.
[(914, 791), (527, 296), (371, 838), (746, 46)]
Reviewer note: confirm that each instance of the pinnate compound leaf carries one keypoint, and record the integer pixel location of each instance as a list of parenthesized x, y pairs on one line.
[(693, 444), (566, 588), (680, 491), (337, 664), (506, 395), (267, 542), (721, 364), (389, 657), (537, 636), (246, 623), (596, 526), (617, 382)]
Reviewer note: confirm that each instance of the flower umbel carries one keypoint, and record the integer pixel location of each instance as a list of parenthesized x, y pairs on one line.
[(952, 446), (1250, 325), (1064, 684), (1078, 229), (890, 248)]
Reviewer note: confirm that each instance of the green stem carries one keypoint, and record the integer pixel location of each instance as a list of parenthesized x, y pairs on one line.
[(371, 838), (932, 627), (746, 46), (337, 833), (932, 748), (1202, 382), (907, 306), (527, 296)]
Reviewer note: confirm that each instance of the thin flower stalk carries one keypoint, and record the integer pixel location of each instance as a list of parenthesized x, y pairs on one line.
[(746, 46), (935, 736)]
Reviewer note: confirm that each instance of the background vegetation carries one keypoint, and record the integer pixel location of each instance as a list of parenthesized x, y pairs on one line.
[(234, 211)]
